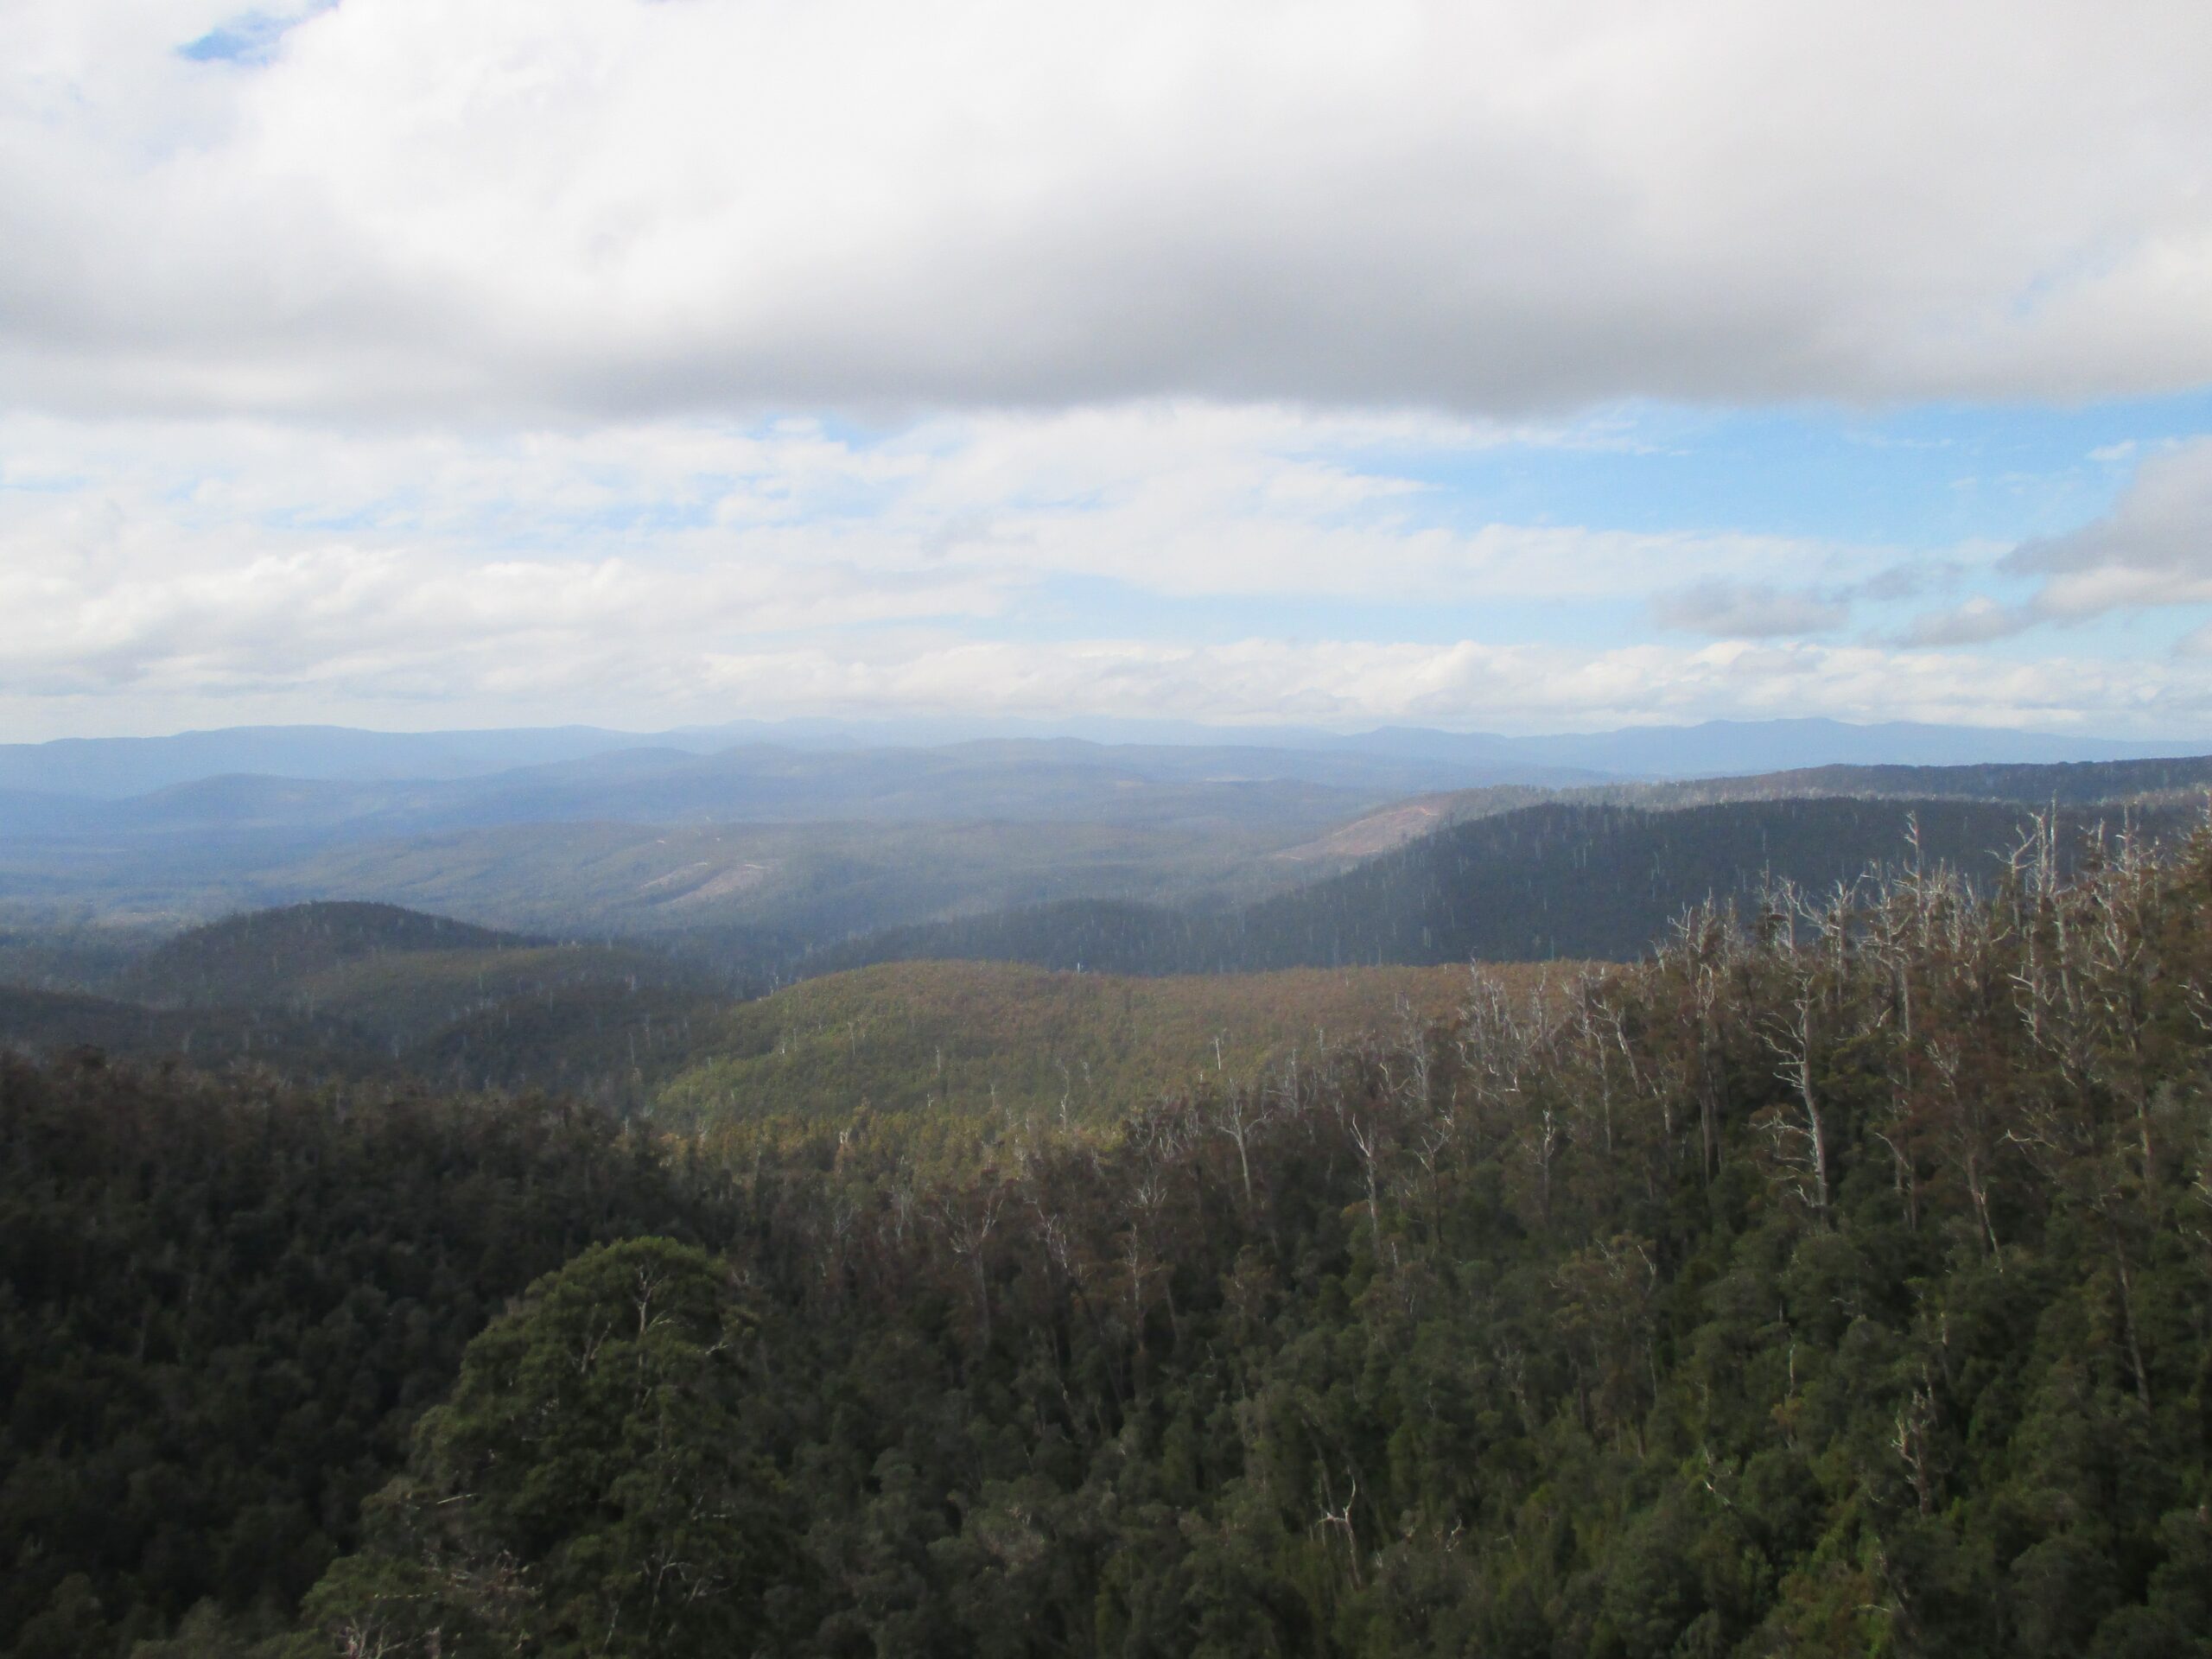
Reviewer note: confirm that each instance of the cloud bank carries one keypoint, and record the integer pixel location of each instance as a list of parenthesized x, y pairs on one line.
[(1253, 564), (615, 206), (647, 360)]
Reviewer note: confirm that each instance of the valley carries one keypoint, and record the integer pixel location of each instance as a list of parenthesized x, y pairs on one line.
[(1059, 1205), (628, 961), (1138, 831)]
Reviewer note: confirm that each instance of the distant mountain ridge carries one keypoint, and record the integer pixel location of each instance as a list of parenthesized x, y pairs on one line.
[(2074, 781), (1030, 781), (118, 768), (753, 861), (111, 768)]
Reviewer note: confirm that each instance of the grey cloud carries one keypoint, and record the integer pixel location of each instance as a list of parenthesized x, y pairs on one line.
[(1728, 610), (1484, 207), (1974, 623), (1911, 580)]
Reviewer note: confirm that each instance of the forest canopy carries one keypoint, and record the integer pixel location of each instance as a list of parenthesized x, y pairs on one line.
[(1836, 1279)]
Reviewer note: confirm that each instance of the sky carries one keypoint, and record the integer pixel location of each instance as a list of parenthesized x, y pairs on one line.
[(1488, 366)]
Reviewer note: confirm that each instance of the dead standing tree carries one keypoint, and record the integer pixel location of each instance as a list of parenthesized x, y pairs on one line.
[(1796, 1128)]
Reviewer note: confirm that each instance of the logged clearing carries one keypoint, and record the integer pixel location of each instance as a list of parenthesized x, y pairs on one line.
[(1378, 832)]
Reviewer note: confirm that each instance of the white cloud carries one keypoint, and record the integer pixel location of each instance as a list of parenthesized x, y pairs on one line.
[(608, 205), (1344, 682), (162, 574), (2153, 549), (720, 531), (1464, 684)]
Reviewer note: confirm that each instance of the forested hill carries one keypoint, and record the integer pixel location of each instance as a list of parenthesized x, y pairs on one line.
[(331, 990), (2067, 783), (985, 1042), (1554, 879), (1833, 1284), (55, 1022), (264, 956)]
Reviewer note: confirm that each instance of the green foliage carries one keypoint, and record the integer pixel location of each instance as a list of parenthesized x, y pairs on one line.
[(1002, 1041), (1836, 1280), (265, 957), (595, 1484), (1558, 879), (53, 1022), (359, 991), (223, 1302)]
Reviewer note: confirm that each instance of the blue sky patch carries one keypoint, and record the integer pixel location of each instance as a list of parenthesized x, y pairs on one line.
[(251, 37)]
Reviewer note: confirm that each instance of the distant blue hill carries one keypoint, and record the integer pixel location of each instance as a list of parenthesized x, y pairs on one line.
[(118, 768), (112, 768), (1729, 748)]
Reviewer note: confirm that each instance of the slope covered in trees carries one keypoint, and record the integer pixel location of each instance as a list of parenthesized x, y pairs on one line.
[(261, 956), (1000, 1040), (1838, 1280), (636, 1028), (56, 1022), (1541, 881), (2076, 783), (333, 991)]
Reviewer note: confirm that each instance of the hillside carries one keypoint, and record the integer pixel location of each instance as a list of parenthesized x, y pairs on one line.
[(324, 989), (404, 998), (67, 953), (747, 859), (315, 990), (2066, 783), (1554, 879), (42, 1022), (1719, 1305), (2114, 783), (999, 1039), (799, 883), (266, 955)]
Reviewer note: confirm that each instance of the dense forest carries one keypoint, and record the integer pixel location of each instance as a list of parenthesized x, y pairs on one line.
[(1836, 1279), (986, 1038), (1550, 880), (354, 990), (358, 991)]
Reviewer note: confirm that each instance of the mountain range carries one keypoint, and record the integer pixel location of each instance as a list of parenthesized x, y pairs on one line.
[(119, 767), (758, 862)]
